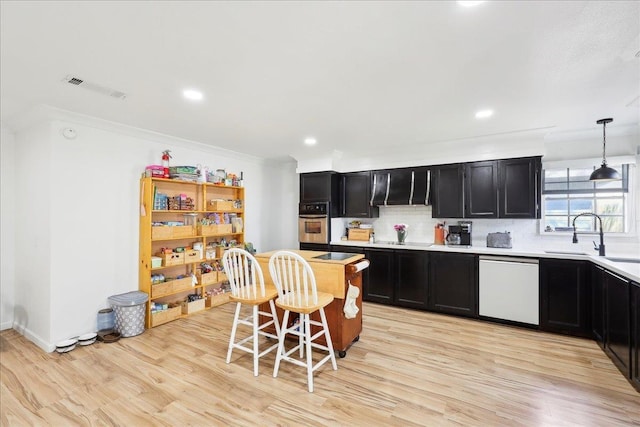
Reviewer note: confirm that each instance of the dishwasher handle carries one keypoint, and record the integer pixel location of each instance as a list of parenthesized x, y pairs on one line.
[(508, 259)]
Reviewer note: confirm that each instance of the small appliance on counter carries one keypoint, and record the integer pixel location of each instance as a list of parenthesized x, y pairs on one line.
[(460, 234), (499, 240)]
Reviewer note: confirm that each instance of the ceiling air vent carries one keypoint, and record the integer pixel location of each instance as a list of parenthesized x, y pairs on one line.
[(76, 81)]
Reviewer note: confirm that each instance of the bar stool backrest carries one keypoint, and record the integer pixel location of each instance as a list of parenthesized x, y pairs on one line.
[(244, 274), (294, 279)]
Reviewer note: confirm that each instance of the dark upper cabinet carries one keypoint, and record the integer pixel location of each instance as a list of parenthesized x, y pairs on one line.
[(617, 323), (421, 186), (355, 193), (412, 276), (480, 189), (635, 335), (406, 186), (447, 191), (379, 284), (379, 187), (519, 188), (321, 187), (565, 297), (400, 181), (453, 284), (597, 304), (490, 189)]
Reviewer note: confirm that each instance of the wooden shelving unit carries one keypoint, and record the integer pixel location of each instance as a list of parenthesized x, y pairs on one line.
[(202, 194)]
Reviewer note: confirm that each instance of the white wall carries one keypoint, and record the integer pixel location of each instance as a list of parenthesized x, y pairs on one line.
[(78, 210), (7, 228)]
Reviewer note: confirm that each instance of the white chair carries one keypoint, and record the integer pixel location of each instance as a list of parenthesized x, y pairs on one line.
[(297, 293), (247, 287)]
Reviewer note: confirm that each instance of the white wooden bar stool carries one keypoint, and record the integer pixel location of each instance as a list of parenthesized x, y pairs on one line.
[(247, 288), (297, 293)]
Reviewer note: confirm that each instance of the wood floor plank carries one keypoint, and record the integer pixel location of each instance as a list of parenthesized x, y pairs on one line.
[(410, 368)]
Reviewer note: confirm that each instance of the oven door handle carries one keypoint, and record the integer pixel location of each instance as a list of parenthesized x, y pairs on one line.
[(312, 216)]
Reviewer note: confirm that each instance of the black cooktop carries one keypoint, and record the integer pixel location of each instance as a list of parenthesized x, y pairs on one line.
[(335, 256)]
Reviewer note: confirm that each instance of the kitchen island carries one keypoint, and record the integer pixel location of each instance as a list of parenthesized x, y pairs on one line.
[(333, 272)]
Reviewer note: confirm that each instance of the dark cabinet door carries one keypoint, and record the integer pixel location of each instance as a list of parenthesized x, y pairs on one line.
[(356, 196), (481, 190), (421, 187), (519, 188), (635, 335), (412, 275), (453, 284), (565, 297), (597, 304), (315, 187), (380, 279), (447, 191), (379, 187), (400, 186), (618, 333)]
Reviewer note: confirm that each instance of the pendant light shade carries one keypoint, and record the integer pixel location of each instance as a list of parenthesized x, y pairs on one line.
[(604, 172)]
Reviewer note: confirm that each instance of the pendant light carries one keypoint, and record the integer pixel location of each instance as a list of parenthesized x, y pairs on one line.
[(604, 173)]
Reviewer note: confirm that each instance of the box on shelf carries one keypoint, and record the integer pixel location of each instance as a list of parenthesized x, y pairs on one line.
[(214, 229), (222, 277), (216, 300), (164, 316), (171, 286), (191, 255), (154, 171), (174, 258), (359, 234), (156, 262), (220, 205), (193, 306), (207, 278), (161, 232), (220, 250), (182, 231)]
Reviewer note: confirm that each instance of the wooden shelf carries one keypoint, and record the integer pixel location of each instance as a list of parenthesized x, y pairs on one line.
[(201, 194)]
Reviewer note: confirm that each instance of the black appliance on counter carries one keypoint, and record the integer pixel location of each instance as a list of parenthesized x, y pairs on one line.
[(460, 234)]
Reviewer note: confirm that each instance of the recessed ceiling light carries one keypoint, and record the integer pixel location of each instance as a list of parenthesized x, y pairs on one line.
[(192, 94), (470, 3), (484, 114), (310, 141)]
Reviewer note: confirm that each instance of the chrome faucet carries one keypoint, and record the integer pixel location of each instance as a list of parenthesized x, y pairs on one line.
[(600, 248)]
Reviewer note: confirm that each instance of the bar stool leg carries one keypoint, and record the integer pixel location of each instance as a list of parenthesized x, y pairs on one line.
[(327, 336), (283, 334), (256, 354), (232, 339), (307, 339)]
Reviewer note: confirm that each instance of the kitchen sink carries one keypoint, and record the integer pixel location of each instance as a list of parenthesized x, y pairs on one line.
[(567, 252), (617, 259)]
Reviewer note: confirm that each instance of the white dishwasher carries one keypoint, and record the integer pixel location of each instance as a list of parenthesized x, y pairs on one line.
[(508, 289)]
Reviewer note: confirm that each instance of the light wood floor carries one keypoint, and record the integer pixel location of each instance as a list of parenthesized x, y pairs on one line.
[(409, 368)]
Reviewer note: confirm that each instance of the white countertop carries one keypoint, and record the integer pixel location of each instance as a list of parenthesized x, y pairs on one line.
[(626, 269)]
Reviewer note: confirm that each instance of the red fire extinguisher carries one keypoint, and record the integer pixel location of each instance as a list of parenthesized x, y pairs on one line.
[(165, 163)]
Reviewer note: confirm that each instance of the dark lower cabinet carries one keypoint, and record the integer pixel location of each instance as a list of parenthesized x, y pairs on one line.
[(378, 286), (453, 284), (635, 335), (565, 297), (412, 274), (617, 323), (597, 304), (397, 277)]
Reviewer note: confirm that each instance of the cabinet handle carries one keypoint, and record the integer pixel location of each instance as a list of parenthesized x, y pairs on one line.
[(427, 196), (373, 191), (386, 196), (412, 187), (344, 195)]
